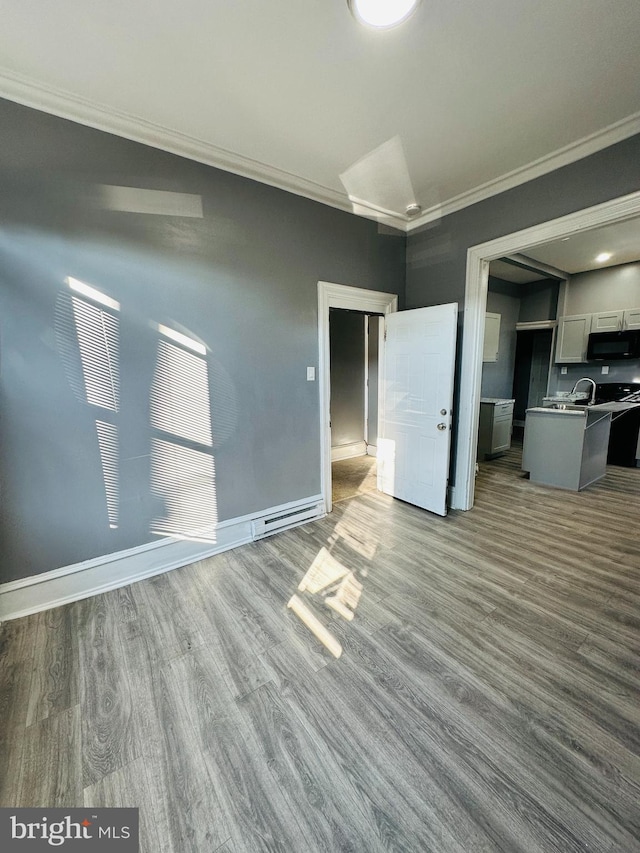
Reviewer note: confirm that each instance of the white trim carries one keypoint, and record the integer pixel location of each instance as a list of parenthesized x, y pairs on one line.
[(101, 574), (534, 325), (537, 266), (617, 132), (478, 258), (366, 383), (348, 451), (23, 90), (331, 295), (372, 449), (285, 519)]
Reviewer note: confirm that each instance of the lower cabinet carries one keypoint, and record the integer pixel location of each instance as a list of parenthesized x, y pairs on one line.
[(494, 433)]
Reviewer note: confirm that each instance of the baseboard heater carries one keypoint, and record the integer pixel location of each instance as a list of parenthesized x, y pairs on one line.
[(275, 523)]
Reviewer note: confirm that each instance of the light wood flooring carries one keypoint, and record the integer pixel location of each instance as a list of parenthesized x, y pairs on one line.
[(351, 477), (485, 698)]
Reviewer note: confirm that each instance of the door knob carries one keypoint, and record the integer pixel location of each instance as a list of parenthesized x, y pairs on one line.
[(442, 426), (443, 411)]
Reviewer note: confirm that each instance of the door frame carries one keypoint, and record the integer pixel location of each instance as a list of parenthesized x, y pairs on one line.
[(332, 295), (475, 304)]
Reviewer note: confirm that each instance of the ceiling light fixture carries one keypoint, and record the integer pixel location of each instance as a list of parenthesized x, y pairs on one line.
[(382, 13), (602, 257)]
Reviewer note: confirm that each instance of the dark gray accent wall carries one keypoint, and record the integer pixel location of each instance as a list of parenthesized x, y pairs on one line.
[(346, 337), (539, 301), (242, 280)]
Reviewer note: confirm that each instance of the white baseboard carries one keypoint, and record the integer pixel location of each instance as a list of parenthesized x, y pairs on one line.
[(372, 450), (348, 451), (92, 577)]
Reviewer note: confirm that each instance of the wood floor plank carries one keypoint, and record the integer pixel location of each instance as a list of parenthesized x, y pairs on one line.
[(237, 649), (15, 686), (184, 801), (162, 602), (131, 787), (50, 772), (333, 810), (54, 684), (108, 740)]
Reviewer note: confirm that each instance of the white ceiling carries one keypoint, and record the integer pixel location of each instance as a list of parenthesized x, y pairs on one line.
[(574, 254), (578, 253), (465, 99)]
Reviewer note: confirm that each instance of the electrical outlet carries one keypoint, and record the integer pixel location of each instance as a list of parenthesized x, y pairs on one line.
[(564, 370), (311, 374), (605, 369)]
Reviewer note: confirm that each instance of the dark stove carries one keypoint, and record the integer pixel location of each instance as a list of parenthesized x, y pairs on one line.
[(609, 392), (624, 439)]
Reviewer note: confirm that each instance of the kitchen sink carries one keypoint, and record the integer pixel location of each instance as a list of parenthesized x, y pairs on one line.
[(571, 406)]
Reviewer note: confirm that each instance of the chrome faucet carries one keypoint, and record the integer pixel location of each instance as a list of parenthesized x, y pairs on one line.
[(592, 397)]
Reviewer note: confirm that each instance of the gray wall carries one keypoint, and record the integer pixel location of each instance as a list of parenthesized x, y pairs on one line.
[(346, 337), (619, 371), (243, 280), (539, 301), (609, 289), (497, 377)]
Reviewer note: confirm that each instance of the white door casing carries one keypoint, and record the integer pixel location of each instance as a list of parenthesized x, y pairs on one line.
[(418, 367), (331, 295), (475, 304)]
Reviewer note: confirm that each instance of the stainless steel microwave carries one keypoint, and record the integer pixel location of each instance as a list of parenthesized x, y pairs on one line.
[(608, 346)]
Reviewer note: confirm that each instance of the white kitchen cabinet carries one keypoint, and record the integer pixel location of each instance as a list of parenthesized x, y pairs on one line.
[(494, 431), (607, 321), (631, 319), (573, 334), (491, 337)]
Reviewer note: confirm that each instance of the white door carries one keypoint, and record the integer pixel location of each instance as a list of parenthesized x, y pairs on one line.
[(418, 366)]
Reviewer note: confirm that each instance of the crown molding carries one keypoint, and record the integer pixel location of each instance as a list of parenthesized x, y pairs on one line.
[(30, 93), (617, 132), (48, 99)]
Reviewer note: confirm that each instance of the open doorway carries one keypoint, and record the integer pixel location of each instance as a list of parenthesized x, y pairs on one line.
[(354, 371), (531, 373), (478, 260), (352, 299), (522, 307)]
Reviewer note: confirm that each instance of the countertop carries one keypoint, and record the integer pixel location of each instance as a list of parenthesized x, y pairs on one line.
[(497, 401), (615, 406), (547, 410)]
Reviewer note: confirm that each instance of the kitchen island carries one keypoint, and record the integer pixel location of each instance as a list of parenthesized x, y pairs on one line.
[(566, 447)]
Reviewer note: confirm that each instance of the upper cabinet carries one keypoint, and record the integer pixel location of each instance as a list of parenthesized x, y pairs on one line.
[(607, 321), (574, 330), (631, 319), (573, 334), (491, 337)]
